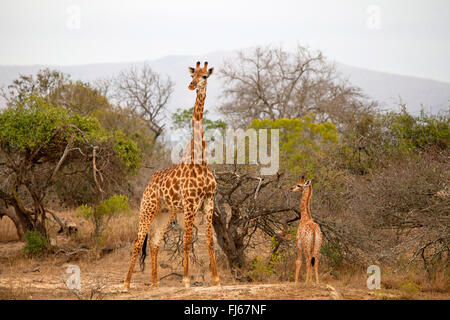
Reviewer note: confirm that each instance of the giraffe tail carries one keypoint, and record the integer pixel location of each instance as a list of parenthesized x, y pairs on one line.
[(143, 253), (313, 259)]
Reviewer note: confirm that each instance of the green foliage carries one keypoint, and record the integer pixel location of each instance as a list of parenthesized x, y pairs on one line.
[(259, 270), (128, 152), (333, 254), (301, 140), (34, 123), (374, 139), (131, 125), (113, 206), (276, 255), (410, 287), (182, 119), (101, 214), (36, 243), (420, 132)]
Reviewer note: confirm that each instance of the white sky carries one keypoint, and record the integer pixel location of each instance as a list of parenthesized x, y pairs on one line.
[(411, 37)]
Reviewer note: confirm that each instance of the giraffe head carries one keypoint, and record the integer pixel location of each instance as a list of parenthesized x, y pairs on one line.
[(199, 76), (300, 186)]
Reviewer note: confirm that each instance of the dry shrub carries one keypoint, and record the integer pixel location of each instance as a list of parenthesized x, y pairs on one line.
[(402, 211)]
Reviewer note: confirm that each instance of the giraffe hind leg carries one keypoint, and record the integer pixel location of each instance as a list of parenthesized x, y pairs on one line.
[(209, 210), (307, 249), (316, 250), (147, 213)]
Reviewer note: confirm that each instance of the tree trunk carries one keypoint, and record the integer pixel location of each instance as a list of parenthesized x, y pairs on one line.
[(231, 243), (21, 217)]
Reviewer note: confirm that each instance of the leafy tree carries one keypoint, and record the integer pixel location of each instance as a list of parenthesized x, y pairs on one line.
[(420, 133), (302, 140), (43, 147), (182, 119)]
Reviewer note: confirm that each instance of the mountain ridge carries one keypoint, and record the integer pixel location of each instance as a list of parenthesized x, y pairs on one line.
[(389, 89)]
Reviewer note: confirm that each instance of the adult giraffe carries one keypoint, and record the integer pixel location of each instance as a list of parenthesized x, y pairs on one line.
[(185, 188)]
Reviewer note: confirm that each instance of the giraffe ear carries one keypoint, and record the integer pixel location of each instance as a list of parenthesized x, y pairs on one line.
[(308, 183), (191, 70), (210, 71)]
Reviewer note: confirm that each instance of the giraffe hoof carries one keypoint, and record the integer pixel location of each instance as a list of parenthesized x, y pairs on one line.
[(187, 283), (153, 285), (216, 282), (126, 286)]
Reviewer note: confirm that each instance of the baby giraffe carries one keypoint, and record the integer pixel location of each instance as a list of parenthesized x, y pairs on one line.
[(309, 236)]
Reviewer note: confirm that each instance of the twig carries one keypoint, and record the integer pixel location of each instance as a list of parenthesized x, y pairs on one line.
[(171, 274), (63, 157), (95, 170), (257, 188)]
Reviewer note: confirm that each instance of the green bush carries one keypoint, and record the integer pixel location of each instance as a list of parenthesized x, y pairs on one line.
[(421, 132), (36, 243), (101, 214), (259, 270), (333, 254), (410, 288)]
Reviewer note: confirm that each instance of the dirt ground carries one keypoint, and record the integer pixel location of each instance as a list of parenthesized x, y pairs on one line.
[(24, 278), (102, 275)]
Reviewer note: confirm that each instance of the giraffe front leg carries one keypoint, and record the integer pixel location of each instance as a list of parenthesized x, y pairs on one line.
[(191, 206), (209, 209), (187, 241)]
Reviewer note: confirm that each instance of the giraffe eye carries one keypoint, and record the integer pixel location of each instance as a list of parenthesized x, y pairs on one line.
[(192, 75), (204, 77)]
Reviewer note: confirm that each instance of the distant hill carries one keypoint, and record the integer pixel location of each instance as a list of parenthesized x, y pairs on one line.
[(388, 89)]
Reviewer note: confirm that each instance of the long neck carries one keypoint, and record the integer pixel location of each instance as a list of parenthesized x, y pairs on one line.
[(304, 204), (198, 106), (197, 127)]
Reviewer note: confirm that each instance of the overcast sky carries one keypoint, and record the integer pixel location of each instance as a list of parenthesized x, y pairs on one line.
[(410, 37)]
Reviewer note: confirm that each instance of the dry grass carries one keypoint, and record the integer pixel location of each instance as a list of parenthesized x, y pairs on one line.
[(349, 280), (7, 230)]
